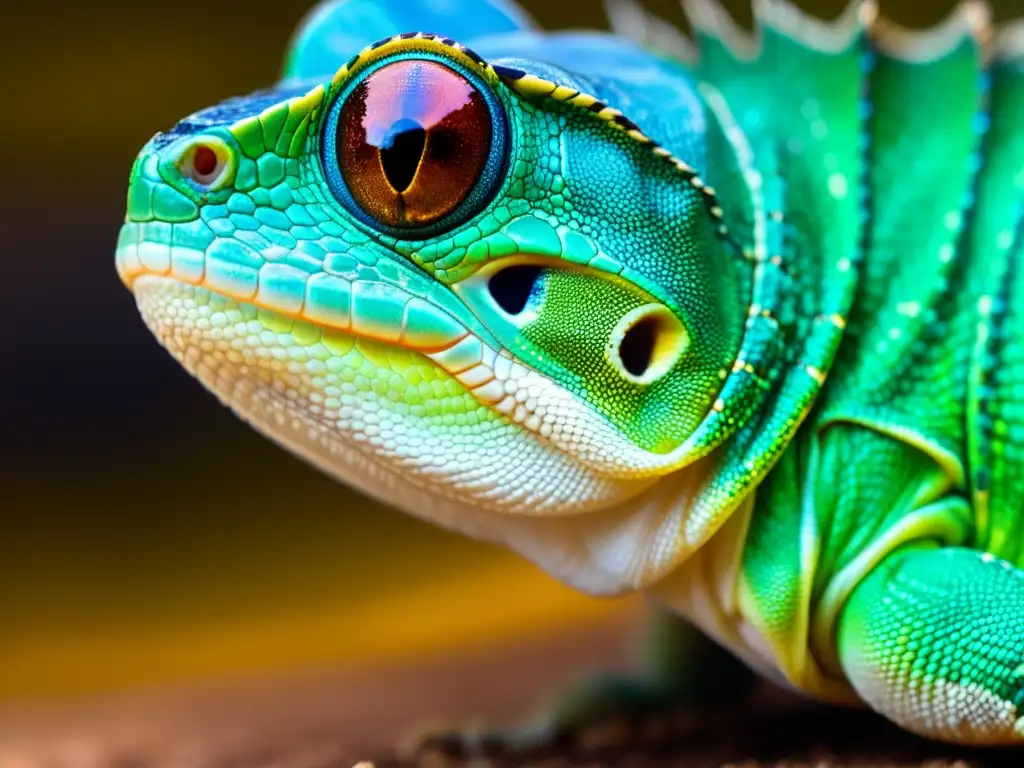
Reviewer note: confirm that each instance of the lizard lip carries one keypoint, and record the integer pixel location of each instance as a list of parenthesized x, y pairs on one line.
[(373, 309)]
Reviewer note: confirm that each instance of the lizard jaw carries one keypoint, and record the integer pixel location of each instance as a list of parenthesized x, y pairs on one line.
[(395, 315), (378, 416)]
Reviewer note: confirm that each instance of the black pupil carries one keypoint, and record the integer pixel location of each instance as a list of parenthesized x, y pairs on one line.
[(637, 347), (401, 151)]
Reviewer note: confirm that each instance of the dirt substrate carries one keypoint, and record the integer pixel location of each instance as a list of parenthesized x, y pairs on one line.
[(337, 719)]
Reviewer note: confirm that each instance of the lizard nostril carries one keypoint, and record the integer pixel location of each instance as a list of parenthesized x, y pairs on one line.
[(204, 161), (204, 164)]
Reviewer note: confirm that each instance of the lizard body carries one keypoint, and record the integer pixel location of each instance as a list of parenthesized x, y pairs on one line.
[(731, 322)]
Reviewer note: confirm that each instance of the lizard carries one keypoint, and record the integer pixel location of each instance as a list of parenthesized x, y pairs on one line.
[(730, 319)]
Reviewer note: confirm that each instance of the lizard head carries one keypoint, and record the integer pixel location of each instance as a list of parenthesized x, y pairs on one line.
[(465, 288)]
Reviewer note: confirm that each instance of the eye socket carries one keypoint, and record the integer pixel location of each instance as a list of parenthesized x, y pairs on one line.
[(204, 163), (646, 343), (414, 143)]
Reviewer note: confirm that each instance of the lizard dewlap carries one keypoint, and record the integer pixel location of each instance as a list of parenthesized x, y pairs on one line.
[(735, 322)]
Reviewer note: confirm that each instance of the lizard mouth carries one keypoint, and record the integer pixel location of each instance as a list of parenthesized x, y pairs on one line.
[(379, 416), (406, 311), (368, 308)]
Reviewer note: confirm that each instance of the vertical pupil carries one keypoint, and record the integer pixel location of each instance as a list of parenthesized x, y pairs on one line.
[(401, 152), (413, 141)]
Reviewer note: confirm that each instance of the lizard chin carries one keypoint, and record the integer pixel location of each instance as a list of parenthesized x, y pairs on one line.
[(383, 418)]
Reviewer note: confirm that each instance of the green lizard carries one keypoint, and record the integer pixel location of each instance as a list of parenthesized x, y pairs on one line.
[(732, 322)]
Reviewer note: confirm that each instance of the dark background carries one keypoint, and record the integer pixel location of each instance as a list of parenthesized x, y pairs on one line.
[(145, 533)]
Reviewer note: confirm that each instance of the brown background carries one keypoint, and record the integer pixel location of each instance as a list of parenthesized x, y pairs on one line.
[(146, 536)]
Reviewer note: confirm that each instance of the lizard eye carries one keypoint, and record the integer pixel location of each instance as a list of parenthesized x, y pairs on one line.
[(414, 146)]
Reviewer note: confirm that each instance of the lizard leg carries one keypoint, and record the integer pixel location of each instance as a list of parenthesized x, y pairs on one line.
[(934, 640), (678, 666)]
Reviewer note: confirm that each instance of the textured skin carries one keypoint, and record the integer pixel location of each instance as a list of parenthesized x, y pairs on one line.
[(821, 463), (933, 649)]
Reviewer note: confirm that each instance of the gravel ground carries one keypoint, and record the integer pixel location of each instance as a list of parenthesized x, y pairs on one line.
[(337, 719)]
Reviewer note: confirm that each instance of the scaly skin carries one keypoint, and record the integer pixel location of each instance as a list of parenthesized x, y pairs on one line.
[(737, 329)]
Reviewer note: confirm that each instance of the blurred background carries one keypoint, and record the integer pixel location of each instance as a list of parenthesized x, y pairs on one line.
[(146, 535)]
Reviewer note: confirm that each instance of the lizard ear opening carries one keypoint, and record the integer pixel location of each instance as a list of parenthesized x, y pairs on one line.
[(596, 335), (636, 349), (646, 343), (512, 287)]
